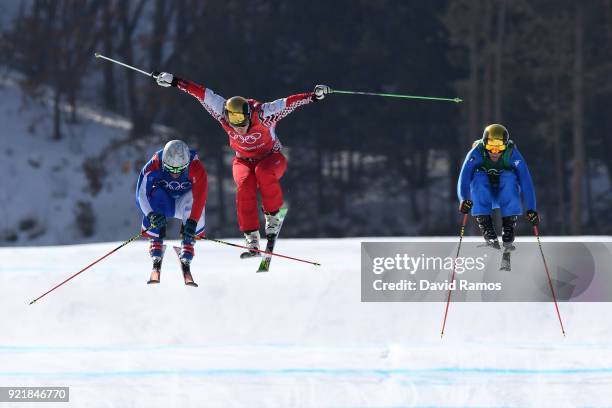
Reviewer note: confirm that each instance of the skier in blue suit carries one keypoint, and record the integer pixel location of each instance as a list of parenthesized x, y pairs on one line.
[(494, 174)]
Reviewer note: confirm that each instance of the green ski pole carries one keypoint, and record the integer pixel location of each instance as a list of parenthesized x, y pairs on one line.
[(390, 95)]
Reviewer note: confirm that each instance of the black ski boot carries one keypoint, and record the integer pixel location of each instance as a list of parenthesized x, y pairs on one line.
[(508, 224), (485, 223)]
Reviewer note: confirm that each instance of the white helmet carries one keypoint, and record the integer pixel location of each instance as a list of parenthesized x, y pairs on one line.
[(175, 157)]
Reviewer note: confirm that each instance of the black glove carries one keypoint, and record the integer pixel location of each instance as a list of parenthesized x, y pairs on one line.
[(189, 229), (532, 217), (157, 220), (465, 206)]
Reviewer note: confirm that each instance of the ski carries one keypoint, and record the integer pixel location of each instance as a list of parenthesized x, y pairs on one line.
[(264, 265), (506, 261), (249, 254), (186, 269), (156, 272)]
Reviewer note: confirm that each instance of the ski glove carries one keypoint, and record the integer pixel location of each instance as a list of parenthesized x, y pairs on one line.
[(189, 230), (465, 206), (163, 79), (533, 217), (157, 220), (320, 91)]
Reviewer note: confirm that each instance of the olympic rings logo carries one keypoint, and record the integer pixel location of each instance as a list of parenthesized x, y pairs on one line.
[(248, 139), (175, 185)]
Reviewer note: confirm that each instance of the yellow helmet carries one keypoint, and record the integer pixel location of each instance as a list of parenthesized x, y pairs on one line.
[(237, 111), (495, 138)]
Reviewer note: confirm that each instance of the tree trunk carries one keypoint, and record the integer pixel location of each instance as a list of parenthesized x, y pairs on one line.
[(109, 95), (589, 192), (221, 192), (57, 113), (559, 173), (487, 65), (579, 159), (72, 100), (473, 91), (499, 51), (128, 21), (320, 179)]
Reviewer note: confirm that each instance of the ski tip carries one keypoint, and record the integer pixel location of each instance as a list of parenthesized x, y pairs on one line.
[(97, 55), (192, 284)]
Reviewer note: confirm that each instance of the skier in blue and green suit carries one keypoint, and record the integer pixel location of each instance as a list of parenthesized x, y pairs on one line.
[(493, 175)]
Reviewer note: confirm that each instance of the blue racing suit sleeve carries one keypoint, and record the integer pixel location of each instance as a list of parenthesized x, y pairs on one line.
[(472, 161), (145, 184), (522, 171)]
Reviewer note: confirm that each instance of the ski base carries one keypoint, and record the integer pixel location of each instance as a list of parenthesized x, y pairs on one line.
[(264, 265), (249, 254), (156, 272), (186, 269), (506, 261)]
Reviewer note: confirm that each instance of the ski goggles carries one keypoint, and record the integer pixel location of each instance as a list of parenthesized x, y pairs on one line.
[(175, 170), (495, 148), (237, 118)]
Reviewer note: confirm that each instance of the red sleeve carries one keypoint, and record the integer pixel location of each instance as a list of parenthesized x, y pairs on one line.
[(193, 89), (199, 188), (274, 111), (212, 102)]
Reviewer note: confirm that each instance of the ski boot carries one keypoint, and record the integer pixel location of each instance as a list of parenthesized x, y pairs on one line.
[(508, 224), (186, 256), (273, 223), (156, 250), (252, 242), (485, 223)]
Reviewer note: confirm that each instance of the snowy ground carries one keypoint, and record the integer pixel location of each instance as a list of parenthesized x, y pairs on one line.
[(295, 337)]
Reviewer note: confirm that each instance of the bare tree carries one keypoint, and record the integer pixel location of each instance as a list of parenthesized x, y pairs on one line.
[(62, 63), (578, 123), (499, 54)]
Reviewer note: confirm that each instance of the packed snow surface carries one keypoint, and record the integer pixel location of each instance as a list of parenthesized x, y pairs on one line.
[(298, 336)]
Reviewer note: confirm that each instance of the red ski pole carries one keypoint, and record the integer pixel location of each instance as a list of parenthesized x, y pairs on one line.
[(260, 251), (135, 237), (464, 223), (552, 290)]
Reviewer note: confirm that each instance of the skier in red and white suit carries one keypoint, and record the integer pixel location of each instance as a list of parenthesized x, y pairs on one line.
[(259, 162)]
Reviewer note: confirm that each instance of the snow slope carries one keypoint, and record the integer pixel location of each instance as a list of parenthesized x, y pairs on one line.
[(49, 188), (295, 337)]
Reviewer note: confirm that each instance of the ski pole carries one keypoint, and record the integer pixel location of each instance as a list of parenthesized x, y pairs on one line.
[(462, 231), (259, 250), (552, 290), (150, 74), (431, 98), (93, 263)]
